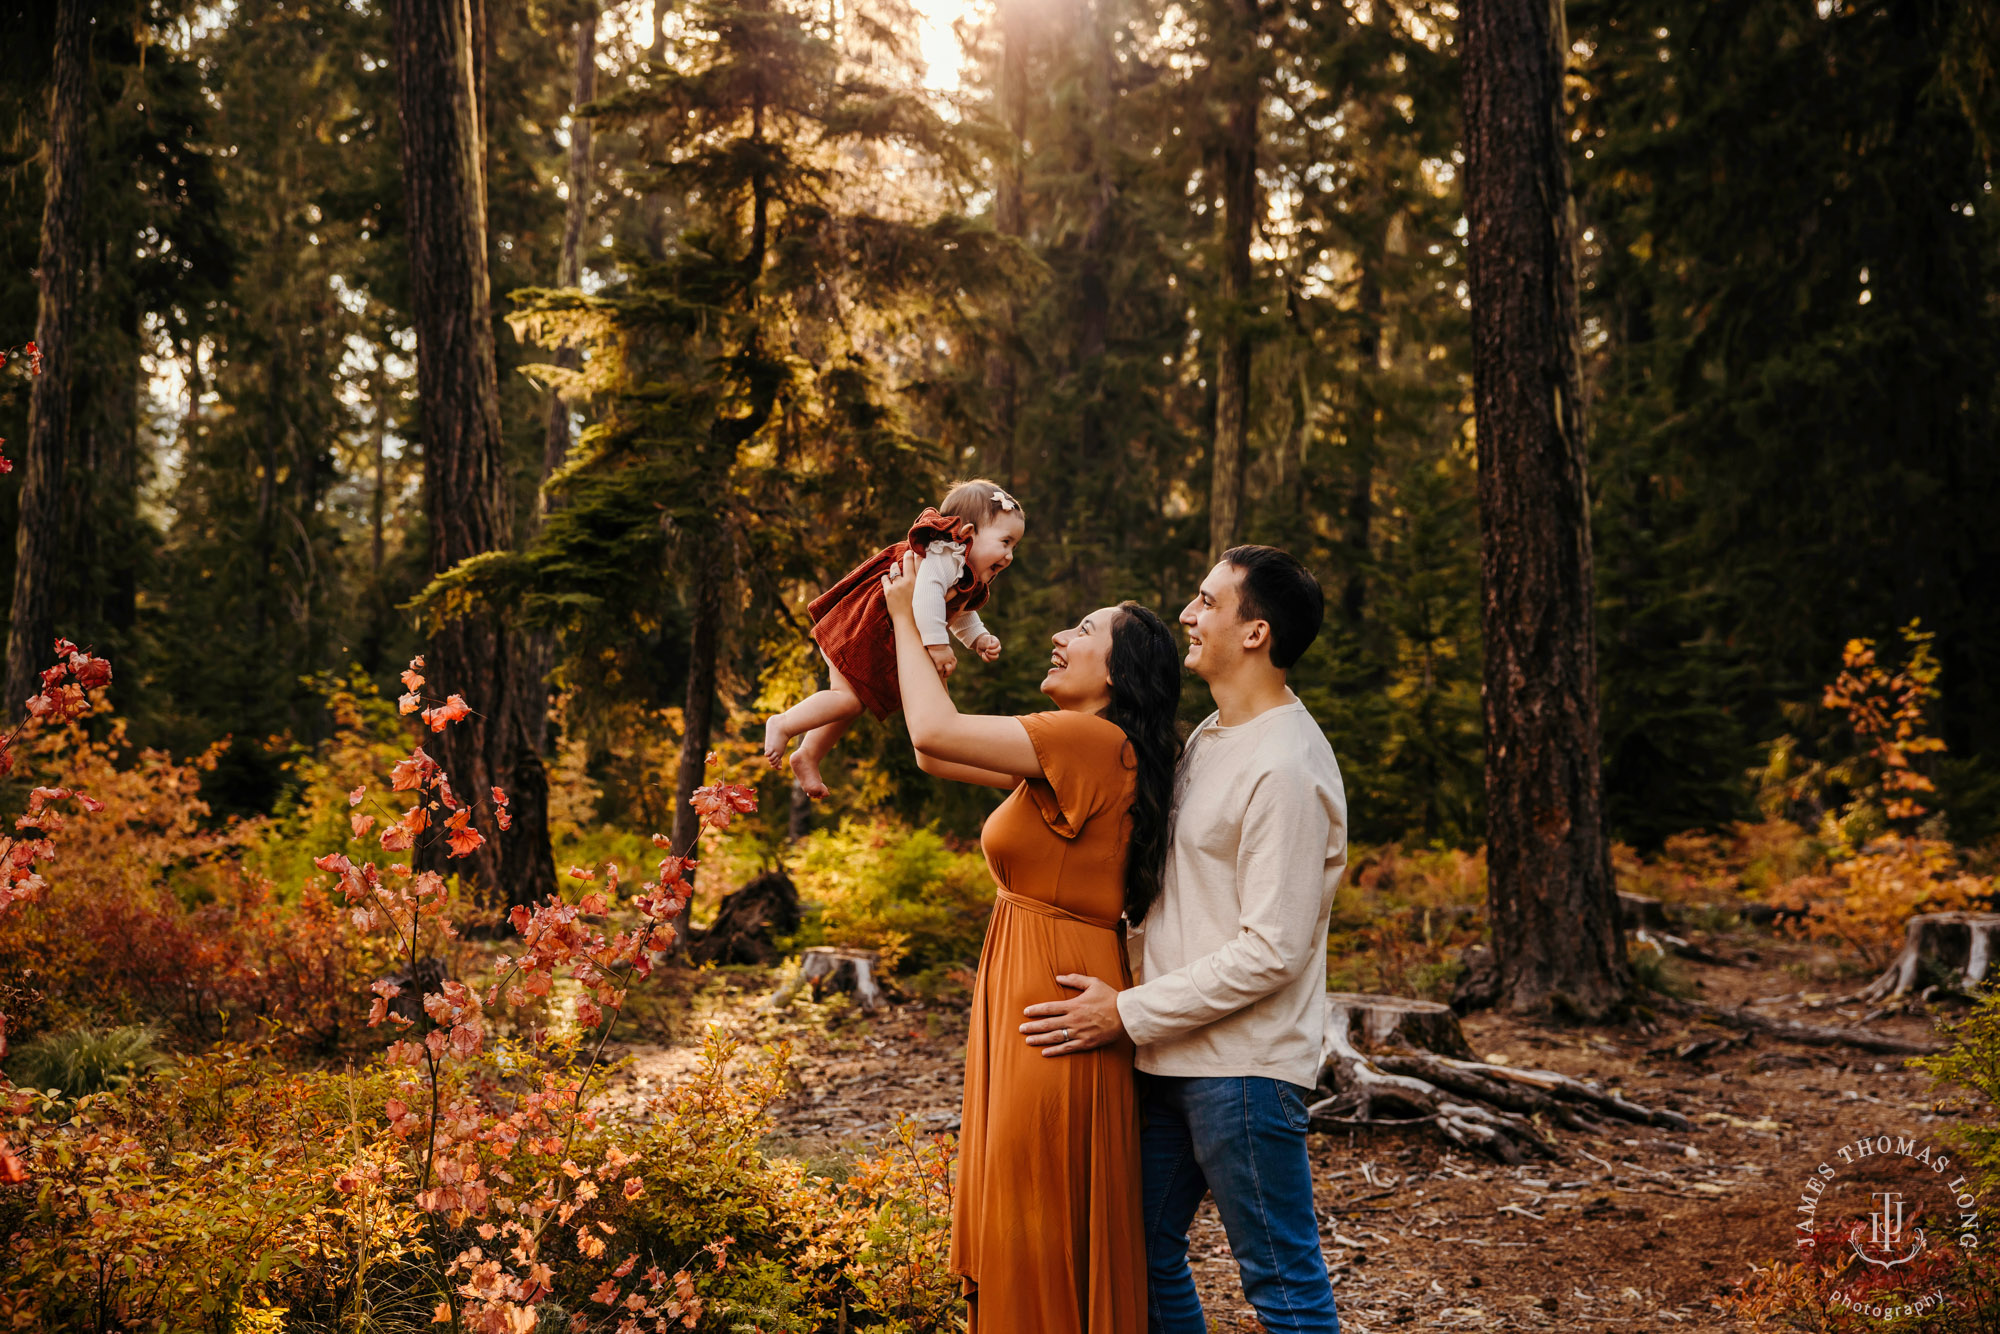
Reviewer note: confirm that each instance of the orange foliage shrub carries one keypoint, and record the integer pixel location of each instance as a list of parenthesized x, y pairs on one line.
[(149, 916), (1701, 868), (1879, 889)]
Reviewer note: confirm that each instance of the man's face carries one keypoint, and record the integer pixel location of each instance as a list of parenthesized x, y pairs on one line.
[(1218, 636)]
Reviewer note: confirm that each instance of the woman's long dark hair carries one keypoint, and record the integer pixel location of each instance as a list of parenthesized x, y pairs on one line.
[(1145, 697)]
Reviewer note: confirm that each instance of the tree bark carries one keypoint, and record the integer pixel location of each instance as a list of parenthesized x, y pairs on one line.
[(1362, 445), (464, 479), (569, 271), (1009, 219), (698, 712), (1232, 372), (38, 542), (1552, 902)]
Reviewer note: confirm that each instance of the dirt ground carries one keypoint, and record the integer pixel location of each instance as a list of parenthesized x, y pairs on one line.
[(1642, 1231)]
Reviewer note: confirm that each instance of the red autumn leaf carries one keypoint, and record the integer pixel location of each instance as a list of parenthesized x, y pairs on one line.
[(581, 873), (453, 709), (12, 1170), (360, 823), (90, 803), (354, 797), (459, 834), (412, 772), (501, 817), (592, 905), (499, 797)]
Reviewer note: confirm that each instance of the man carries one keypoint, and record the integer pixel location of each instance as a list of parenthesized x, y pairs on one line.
[(1230, 1004)]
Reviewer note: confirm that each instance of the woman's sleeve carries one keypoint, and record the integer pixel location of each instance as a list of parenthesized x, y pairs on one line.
[(1083, 763)]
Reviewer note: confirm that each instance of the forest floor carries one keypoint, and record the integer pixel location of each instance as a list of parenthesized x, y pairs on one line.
[(1644, 1231)]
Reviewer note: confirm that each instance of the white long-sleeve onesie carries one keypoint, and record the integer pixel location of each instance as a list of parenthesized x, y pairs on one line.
[(941, 568)]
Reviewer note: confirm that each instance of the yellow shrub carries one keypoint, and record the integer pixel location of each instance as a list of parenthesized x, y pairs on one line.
[(1879, 889), (906, 892)]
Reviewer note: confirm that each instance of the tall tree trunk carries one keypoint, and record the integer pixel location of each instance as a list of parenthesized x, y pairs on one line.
[(1009, 219), (698, 713), (464, 480), (38, 544), (1362, 444), (569, 269), (535, 658), (1239, 202), (1553, 906)]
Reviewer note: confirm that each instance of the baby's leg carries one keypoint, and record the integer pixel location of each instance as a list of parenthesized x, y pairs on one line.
[(821, 740), (838, 704), (817, 710)]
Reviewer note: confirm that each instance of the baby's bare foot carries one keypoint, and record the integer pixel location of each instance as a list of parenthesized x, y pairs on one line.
[(775, 738), (805, 768)]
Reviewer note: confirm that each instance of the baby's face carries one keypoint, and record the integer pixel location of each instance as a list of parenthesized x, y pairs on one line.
[(992, 548)]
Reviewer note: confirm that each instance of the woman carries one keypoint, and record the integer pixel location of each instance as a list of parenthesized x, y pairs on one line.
[(1046, 1225)]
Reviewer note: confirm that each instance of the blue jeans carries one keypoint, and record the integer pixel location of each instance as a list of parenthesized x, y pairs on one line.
[(1245, 1140)]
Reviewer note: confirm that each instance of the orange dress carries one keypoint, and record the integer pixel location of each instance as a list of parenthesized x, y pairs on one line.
[(1047, 1224)]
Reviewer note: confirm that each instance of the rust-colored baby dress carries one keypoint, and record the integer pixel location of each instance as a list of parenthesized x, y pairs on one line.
[(851, 620), (1047, 1222)]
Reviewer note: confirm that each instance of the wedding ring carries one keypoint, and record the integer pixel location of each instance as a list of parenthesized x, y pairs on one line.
[(1065, 1037)]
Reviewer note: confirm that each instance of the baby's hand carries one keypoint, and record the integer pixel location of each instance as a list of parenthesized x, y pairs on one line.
[(987, 646), (943, 659)]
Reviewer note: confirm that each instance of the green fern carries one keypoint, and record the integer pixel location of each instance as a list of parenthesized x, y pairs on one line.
[(78, 1061)]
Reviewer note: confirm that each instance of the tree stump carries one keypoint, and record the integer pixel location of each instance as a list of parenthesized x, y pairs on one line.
[(1641, 910), (1412, 1058), (832, 968), (427, 977), (766, 906), (1397, 1023), (1962, 942)]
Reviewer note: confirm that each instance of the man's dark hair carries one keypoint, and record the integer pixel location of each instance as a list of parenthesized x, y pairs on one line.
[(1282, 593)]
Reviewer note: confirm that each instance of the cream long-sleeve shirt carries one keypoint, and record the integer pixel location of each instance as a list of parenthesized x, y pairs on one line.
[(939, 571), (1231, 960)]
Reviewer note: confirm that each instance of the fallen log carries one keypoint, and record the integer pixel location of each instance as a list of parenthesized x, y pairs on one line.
[(1962, 944), (1393, 1060), (829, 967), (1791, 1030)]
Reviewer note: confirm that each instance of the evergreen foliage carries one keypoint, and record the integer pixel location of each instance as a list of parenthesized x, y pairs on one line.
[(815, 290)]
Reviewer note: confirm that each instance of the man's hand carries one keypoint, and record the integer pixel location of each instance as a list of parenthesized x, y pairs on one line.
[(987, 646), (943, 659), (1084, 1022)]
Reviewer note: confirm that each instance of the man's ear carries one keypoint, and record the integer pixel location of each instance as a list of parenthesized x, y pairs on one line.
[(1256, 635)]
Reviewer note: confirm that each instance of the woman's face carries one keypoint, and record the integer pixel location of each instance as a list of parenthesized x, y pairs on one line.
[(1079, 675)]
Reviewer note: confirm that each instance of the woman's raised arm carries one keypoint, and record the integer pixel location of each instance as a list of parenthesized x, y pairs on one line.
[(993, 745)]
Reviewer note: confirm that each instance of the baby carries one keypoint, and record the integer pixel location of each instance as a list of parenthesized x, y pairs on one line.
[(965, 543)]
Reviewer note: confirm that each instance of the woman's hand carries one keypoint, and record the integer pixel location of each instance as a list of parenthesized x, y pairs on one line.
[(899, 588)]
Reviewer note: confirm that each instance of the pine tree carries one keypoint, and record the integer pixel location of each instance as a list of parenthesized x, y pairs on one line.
[(1552, 903), (39, 546)]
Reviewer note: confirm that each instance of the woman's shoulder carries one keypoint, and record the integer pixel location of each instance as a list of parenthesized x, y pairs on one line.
[(1079, 735)]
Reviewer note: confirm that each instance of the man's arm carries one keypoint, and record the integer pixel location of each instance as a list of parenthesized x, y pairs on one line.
[(1280, 869)]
